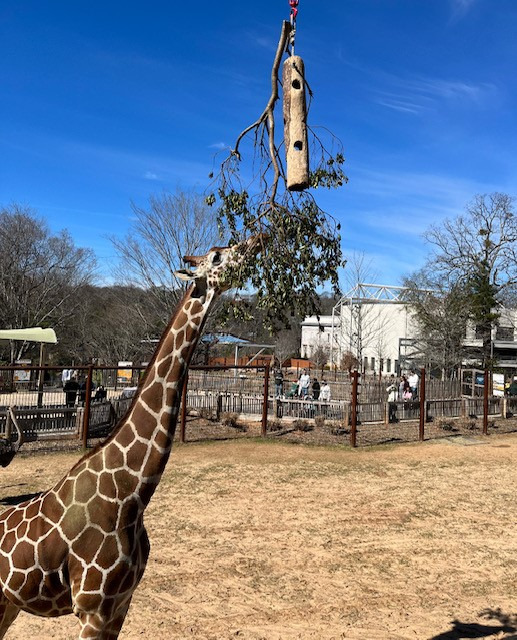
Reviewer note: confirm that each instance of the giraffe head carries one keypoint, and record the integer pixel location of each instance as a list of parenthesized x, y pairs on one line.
[(217, 269)]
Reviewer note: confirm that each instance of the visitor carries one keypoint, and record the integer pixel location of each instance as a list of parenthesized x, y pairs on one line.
[(71, 388), (512, 389), (392, 392), (293, 391), (413, 384), (303, 384), (325, 391), (315, 389), (279, 383), (100, 394), (403, 387)]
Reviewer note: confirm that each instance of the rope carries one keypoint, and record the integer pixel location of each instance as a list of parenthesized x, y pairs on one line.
[(294, 12)]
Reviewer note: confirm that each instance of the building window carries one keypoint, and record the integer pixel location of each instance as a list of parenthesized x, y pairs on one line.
[(365, 363), (397, 366), (505, 333), (373, 364), (479, 332), (388, 365)]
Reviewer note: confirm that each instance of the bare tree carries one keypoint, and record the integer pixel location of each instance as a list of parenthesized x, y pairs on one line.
[(365, 325), (442, 312), (287, 343), (478, 251), (170, 227), (320, 356), (41, 274)]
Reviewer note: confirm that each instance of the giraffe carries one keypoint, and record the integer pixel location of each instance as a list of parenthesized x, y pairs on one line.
[(81, 547)]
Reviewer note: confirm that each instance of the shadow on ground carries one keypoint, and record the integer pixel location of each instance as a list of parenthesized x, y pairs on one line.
[(10, 501), (463, 630)]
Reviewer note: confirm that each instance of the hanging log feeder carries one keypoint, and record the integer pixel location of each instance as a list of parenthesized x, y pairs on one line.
[(295, 124)]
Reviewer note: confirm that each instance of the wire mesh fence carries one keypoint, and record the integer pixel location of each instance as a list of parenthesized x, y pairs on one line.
[(87, 402)]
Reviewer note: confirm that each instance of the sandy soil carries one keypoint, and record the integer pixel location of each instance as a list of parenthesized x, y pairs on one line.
[(273, 540)]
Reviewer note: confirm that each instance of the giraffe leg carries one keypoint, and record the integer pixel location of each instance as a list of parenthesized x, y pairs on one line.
[(95, 626), (8, 613)]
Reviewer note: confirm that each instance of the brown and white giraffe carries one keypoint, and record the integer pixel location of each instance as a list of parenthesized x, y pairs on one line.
[(82, 547)]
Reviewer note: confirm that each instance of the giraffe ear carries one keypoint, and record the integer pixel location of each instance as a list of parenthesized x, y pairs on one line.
[(184, 274)]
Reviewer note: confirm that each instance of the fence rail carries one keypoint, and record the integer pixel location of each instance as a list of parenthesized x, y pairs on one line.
[(45, 409)]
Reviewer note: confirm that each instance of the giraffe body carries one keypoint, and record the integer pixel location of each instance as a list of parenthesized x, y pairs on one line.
[(82, 547)]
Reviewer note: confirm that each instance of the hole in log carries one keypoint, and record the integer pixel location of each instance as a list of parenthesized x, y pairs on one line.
[(298, 145), (296, 84)]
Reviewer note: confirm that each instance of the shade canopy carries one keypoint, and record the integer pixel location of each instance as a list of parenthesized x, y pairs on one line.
[(35, 334)]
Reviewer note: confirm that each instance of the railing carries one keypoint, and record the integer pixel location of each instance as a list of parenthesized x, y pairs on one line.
[(44, 410)]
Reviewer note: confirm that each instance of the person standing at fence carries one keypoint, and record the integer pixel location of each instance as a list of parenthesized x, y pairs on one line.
[(279, 383), (71, 388), (303, 384), (66, 374), (403, 387), (316, 389), (392, 392), (325, 392), (293, 391), (100, 394), (413, 384)]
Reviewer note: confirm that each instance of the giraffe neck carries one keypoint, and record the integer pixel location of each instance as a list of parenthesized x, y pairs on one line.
[(143, 440)]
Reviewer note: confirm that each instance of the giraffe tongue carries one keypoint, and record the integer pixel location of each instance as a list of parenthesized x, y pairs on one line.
[(185, 274)]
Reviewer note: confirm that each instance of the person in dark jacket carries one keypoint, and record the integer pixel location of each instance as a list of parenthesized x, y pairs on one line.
[(71, 388)]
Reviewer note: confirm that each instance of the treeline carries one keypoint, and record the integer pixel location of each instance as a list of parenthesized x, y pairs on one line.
[(46, 280)]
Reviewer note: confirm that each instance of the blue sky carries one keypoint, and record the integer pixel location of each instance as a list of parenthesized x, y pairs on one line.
[(108, 102)]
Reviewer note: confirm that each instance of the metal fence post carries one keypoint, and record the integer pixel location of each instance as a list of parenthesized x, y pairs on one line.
[(423, 411), (265, 401), (183, 421), (88, 399), (353, 407), (485, 403)]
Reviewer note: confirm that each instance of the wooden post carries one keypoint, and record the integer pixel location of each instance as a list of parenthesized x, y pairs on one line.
[(183, 421), (353, 407), (295, 124), (87, 403), (423, 412), (265, 402), (485, 402), (41, 373)]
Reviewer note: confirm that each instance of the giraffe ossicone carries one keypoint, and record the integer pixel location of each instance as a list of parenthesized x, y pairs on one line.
[(81, 547)]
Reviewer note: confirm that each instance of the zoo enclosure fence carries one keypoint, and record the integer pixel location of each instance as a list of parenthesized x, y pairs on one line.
[(43, 410)]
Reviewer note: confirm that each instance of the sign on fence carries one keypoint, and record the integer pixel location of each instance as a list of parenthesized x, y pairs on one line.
[(22, 375), (124, 375)]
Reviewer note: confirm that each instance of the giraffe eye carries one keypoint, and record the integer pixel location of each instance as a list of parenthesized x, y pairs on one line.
[(217, 258)]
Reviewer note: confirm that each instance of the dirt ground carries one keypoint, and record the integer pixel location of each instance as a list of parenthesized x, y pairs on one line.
[(270, 540)]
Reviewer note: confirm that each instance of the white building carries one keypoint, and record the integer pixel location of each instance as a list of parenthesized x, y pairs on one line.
[(374, 324)]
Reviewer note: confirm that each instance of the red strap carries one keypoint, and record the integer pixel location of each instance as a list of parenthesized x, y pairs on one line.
[(294, 11)]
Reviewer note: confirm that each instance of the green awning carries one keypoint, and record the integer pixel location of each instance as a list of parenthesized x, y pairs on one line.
[(35, 334)]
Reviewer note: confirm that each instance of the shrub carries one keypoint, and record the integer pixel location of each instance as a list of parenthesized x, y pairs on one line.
[(446, 424), (319, 421), (302, 425), (231, 420), (274, 425)]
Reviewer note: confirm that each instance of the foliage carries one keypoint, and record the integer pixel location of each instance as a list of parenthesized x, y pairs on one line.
[(301, 243)]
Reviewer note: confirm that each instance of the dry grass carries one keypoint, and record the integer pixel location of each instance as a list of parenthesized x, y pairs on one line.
[(269, 540)]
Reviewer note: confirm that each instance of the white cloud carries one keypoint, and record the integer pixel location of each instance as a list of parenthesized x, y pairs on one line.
[(149, 175), (415, 94), (219, 146), (461, 7)]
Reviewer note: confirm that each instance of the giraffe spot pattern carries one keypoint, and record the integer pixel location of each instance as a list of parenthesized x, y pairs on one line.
[(82, 547)]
